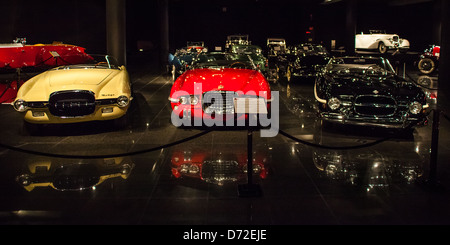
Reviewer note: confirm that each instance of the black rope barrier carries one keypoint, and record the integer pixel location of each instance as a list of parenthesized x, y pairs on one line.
[(375, 142), (285, 134), (104, 156)]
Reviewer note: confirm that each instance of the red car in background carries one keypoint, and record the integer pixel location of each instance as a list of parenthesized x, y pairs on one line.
[(429, 59), (220, 87), (19, 55)]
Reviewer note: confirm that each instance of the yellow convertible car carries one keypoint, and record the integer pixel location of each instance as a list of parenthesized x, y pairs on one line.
[(98, 90)]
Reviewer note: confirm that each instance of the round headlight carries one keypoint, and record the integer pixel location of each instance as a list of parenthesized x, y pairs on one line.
[(194, 100), (334, 103), (126, 169), (122, 101), (24, 180), (20, 105), (183, 100), (193, 169), (415, 107)]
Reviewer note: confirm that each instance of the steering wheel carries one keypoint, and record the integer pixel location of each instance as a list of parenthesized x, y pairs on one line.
[(237, 64)]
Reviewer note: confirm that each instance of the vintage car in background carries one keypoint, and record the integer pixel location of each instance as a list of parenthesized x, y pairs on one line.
[(73, 175), (276, 46), (183, 58), (216, 82), (235, 40), (253, 52), (94, 91), (277, 56), (380, 41), (429, 59), (366, 91), (20, 55), (308, 61)]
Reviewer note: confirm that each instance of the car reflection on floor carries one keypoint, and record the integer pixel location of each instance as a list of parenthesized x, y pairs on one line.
[(370, 169), (72, 175), (219, 166)]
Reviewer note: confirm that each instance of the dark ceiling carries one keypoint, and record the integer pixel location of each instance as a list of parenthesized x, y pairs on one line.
[(82, 22)]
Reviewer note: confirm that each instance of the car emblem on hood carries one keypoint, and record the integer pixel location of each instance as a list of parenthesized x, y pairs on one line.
[(220, 87), (375, 91)]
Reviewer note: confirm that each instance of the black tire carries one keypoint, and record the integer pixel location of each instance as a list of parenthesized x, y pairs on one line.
[(426, 66), (382, 48)]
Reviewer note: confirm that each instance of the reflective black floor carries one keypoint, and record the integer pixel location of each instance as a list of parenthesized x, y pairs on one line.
[(198, 182)]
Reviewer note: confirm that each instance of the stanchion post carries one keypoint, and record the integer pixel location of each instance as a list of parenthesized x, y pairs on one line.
[(19, 77), (404, 70), (249, 189), (432, 178), (250, 156)]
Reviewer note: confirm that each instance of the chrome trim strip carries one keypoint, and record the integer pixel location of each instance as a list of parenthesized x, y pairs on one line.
[(317, 97)]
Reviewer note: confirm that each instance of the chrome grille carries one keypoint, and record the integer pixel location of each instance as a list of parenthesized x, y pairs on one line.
[(220, 170), (396, 40), (220, 102), (73, 103), (375, 105), (76, 177)]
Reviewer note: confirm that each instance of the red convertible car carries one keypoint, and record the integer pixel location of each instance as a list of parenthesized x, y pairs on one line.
[(37, 57), (220, 88), (19, 55)]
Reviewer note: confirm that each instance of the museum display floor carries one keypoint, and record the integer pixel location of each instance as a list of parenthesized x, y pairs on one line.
[(138, 183)]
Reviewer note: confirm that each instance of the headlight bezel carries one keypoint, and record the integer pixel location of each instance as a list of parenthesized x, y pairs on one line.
[(123, 101), (20, 105), (415, 108), (334, 103), (189, 99)]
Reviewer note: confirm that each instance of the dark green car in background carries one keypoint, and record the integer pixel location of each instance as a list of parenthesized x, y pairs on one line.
[(252, 52)]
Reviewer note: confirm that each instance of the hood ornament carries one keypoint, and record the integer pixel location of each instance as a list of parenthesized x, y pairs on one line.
[(220, 87)]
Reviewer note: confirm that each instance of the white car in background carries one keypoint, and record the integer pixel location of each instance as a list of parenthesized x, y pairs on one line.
[(380, 41)]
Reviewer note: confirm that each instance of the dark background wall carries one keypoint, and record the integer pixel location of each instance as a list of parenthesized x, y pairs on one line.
[(212, 21), (82, 22), (78, 22)]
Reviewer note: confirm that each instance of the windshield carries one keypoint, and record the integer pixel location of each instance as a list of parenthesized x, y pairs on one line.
[(244, 49), (223, 60), (96, 61), (359, 65), (309, 48)]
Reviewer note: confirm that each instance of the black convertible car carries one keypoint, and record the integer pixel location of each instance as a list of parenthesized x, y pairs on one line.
[(309, 60), (366, 91)]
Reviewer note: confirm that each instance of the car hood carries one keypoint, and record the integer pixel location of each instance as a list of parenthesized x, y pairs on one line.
[(59, 78), (42, 85), (390, 86), (227, 79)]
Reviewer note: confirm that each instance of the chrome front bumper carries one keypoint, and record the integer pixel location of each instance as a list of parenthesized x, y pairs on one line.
[(383, 122)]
